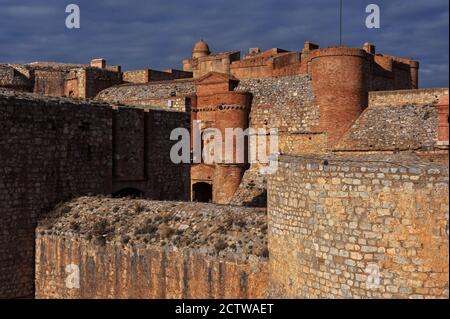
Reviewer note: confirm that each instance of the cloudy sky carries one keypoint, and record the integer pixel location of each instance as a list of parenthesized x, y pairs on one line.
[(160, 33)]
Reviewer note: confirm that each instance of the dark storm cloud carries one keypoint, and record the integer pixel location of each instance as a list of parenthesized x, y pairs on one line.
[(159, 33)]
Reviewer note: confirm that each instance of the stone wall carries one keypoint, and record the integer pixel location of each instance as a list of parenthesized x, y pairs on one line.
[(49, 82), (286, 103), (52, 149), (167, 180), (252, 190), (358, 227), (406, 127), (405, 97), (96, 80), (152, 90), (136, 76), (147, 75), (180, 104), (145, 249), (70, 80), (402, 121), (129, 145), (11, 77)]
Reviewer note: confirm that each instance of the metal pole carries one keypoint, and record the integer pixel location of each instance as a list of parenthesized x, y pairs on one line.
[(340, 23)]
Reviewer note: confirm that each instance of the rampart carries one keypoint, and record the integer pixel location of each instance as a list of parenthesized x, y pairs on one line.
[(146, 249), (358, 227), (404, 97), (55, 148)]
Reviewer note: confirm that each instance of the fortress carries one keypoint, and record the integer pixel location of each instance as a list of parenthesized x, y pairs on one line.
[(358, 207)]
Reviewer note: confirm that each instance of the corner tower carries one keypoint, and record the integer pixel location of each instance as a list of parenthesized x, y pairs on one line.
[(341, 81)]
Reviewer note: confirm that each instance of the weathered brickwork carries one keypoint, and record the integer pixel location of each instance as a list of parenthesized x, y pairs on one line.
[(338, 224), (145, 249), (71, 80), (49, 82)]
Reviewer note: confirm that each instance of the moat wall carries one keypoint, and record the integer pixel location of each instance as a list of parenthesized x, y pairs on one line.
[(128, 248), (335, 223), (155, 272)]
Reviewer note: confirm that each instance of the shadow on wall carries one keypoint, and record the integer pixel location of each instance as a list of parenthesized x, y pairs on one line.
[(129, 192), (259, 200), (202, 192)]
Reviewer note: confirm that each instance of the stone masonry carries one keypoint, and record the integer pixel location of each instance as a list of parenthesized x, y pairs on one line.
[(52, 149), (358, 207), (358, 227), (145, 249)]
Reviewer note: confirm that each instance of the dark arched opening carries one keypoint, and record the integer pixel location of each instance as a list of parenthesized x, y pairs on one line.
[(202, 192), (129, 192)]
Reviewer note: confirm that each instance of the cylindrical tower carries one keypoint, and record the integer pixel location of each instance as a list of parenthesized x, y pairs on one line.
[(340, 80), (219, 107), (231, 115), (226, 181)]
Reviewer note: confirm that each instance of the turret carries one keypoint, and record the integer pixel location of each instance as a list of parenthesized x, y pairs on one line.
[(220, 107), (201, 49), (340, 79)]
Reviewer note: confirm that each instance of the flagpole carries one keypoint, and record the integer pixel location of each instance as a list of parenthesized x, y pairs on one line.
[(340, 23)]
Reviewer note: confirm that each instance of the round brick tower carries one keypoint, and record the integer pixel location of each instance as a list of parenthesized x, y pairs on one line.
[(340, 79), (232, 113), (220, 107)]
